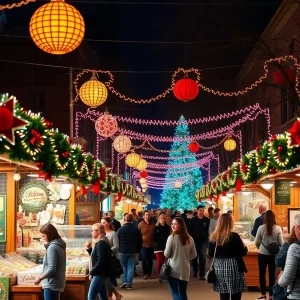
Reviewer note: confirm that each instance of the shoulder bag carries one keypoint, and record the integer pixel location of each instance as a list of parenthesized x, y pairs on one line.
[(115, 267), (165, 268), (273, 248), (210, 275)]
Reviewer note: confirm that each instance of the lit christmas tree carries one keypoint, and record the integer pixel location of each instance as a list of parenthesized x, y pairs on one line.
[(182, 168)]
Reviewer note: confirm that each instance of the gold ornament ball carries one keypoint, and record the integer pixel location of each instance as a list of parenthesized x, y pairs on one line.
[(230, 144), (142, 166), (93, 93), (132, 160), (122, 143), (57, 27)]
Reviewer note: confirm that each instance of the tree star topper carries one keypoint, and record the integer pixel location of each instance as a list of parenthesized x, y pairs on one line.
[(8, 130)]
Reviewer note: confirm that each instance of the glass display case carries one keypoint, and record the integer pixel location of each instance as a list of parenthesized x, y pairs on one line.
[(243, 228), (32, 247)]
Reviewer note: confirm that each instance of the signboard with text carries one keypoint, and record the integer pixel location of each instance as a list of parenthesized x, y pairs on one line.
[(282, 192)]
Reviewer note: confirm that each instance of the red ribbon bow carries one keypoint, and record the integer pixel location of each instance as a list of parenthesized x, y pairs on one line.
[(295, 133), (37, 138)]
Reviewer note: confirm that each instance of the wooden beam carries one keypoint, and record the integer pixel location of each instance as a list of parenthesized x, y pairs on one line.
[(259, 189), (30, 165), (11, 213)]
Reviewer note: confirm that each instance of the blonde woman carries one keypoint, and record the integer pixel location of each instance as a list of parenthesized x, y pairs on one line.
[(160, 235), (229, 264), (100, 258), (180, 250)]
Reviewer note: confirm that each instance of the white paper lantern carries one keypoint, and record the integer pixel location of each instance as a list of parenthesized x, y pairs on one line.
[(122, 143)]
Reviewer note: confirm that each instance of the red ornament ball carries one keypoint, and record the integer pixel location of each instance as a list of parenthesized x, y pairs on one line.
[(261, 161), (279, 78), (6, 119), (186, 89), (144, 174), (194, 147), (40, 164), (280, 149)]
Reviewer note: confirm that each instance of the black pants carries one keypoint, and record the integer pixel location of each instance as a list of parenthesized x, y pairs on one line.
[(265, 261), (147, 262), (237, 296)]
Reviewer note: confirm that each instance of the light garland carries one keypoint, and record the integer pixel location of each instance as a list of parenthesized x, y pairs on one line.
[(249, 109), (17, 4), (198, 74)]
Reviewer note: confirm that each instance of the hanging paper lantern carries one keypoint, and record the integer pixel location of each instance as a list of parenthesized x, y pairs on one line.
[(194, 147), (186, 89), (142, 165), (177, 185), (122, 143), (132, 160), (142, 181), (57, 27), (279, 78), (106, 125), (93, 92), (144, 174), (230, 144)]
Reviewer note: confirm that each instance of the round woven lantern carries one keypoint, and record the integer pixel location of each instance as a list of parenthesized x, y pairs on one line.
[(106, 125), (142, 181), (122, 143), (194, 147), (186, 89), (230, 144), (132, 160), (93, 92), (142, 165), (57, 27)]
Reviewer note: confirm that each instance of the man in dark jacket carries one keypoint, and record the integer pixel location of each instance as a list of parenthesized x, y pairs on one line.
[(116, 224), (260, 220), (198, 229), (130, 243)]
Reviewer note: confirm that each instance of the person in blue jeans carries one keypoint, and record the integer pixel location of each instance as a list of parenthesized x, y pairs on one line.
[(198, 229), (180, 250), (53, 277), (130, 243), (100, 258)]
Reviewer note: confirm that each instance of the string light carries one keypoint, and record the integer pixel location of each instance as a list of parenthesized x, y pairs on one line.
[(15, 5), (198, 74)]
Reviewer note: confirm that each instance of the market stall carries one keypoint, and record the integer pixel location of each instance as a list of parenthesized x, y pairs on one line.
[(270, 174), (46, 177)]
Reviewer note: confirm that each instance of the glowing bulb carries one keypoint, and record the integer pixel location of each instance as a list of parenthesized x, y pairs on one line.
[(17, 176)]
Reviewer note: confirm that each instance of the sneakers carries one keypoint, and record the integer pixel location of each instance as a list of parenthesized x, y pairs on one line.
[(160, 281), (129, 287), (145, 277), (123, 286), (262, 297)]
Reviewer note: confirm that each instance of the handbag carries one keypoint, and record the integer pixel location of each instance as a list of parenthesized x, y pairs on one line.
[(115, 267), (165, 269), (273, 248), (210, 275)]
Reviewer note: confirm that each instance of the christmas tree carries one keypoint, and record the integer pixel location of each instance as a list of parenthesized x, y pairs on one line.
[(182, 167)]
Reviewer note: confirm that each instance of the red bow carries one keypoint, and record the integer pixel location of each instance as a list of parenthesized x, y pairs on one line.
[(96, 187), (295, 133), (36, 137)]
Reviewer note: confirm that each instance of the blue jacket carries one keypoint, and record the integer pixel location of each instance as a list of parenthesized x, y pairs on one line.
[(130, 239), (280, 258), (258, 222)]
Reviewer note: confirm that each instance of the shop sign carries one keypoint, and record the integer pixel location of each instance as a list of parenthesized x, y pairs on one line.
[(34, 197), (282, 192), (2, 218)]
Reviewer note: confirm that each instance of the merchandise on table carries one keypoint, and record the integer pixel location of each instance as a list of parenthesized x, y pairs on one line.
[(244, 230)]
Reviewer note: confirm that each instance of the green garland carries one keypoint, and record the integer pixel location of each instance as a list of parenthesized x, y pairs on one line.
[(274, 155), (55, 155)]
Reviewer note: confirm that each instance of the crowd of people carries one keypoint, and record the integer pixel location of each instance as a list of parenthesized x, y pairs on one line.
[(185, 239)]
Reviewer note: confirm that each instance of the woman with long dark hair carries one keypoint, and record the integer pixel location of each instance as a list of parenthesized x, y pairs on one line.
[(267, 233), (180, 250), (53, 277), (229, 265)]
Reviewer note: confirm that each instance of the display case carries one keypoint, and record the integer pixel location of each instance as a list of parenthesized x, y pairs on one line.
[(243, 228), (32, 247)]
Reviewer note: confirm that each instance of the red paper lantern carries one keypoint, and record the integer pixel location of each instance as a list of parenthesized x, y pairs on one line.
[(194, 147), (6, 119), (186, 89), (144, 174), (279, 78)]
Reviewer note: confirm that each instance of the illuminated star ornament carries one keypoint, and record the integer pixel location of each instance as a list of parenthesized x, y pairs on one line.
[(9, 122)]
